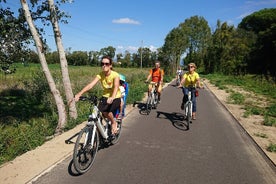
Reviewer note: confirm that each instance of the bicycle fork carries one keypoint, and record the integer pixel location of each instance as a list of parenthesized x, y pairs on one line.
[(188, 109)]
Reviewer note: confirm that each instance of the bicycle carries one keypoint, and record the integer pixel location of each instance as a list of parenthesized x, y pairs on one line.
[(188, 107), (152, 100), (97, 132)]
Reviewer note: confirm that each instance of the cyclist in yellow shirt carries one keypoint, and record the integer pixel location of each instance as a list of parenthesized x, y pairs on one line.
[(111, 98), (190, 79)]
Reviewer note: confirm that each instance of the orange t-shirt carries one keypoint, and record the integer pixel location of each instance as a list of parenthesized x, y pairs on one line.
[(156, 74)]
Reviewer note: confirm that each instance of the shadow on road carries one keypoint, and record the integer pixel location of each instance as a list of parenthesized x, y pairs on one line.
[(141, 106), (71, 169), (177, 119)]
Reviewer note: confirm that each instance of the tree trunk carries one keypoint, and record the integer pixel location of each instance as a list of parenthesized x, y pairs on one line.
[(63, 62), (40, 50)]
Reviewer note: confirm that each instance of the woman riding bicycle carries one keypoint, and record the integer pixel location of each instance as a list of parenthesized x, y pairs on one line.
[(111, 99), (190, 79)]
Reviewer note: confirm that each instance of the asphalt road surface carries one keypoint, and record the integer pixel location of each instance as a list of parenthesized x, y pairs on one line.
[(157, 148)]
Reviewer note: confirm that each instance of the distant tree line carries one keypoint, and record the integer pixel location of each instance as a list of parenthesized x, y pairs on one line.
[(249, 48)]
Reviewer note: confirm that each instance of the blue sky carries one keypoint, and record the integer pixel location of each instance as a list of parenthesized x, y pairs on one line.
[(128, 24)]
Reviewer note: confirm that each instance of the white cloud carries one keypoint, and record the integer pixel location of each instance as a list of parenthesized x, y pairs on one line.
[(134, 49), (244, 15), (125, 21), (260, 2), (153, 48)]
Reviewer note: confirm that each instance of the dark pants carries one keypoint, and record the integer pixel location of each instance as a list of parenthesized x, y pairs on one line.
[(105, 107)]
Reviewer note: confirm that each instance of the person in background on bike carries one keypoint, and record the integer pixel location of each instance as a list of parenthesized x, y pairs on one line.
[(179, 73), (156, 74), (111, 98), (190, 79)]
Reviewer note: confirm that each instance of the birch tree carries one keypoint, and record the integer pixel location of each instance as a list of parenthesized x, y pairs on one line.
[(40, 51), (63, 61)]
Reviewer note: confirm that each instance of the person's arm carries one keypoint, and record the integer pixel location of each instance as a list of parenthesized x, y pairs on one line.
[(86, 88), (198, 83), (148, 78), (162, 76)]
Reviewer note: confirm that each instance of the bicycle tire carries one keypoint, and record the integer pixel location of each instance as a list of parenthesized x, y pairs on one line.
[(189, 115), (118, 134), (85, 154), (155, 101), (149, 105), (177, 82)]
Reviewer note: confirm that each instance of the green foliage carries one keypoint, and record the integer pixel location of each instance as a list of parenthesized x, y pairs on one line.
[(262, 135), (262, 58), (255, 84), (271, 147), (22, 137), (250, 109), (236, 98), (269, 121), (271, 111)]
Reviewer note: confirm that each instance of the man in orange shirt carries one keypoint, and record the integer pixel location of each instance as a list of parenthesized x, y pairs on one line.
[(156, 74)]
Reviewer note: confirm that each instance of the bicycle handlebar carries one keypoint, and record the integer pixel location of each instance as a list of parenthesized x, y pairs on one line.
[(150, 82), (93, 99)]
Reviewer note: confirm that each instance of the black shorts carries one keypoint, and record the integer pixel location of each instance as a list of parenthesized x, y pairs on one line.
[(105, 107)]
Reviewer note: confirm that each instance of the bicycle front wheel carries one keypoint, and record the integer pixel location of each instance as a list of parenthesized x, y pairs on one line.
[(155, 101), (189, 114), (149, 105), (85, 149)]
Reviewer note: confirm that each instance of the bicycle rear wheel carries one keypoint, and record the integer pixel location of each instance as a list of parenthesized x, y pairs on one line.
[(85, 151), (149, 105), (118, 134)]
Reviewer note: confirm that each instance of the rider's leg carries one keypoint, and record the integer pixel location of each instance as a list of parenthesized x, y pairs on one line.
[(109, 115), (159, 90), (185, 97), (149, 89), (194, 104), (120, 116)]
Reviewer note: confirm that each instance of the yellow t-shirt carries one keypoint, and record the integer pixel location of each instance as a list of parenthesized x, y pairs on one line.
[(190, 79), (108, 84)]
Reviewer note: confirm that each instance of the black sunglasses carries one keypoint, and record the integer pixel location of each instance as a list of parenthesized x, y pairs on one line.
[(106, 64)]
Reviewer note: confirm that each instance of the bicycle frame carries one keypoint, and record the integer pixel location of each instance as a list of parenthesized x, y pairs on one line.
[(96, 117), (153, 93), (189, 105), (152, 98)]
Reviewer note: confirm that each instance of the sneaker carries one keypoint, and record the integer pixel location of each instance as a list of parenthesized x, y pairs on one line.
[(182, 106)]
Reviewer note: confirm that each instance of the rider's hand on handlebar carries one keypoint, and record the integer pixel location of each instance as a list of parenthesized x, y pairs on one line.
[(77, 97)]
